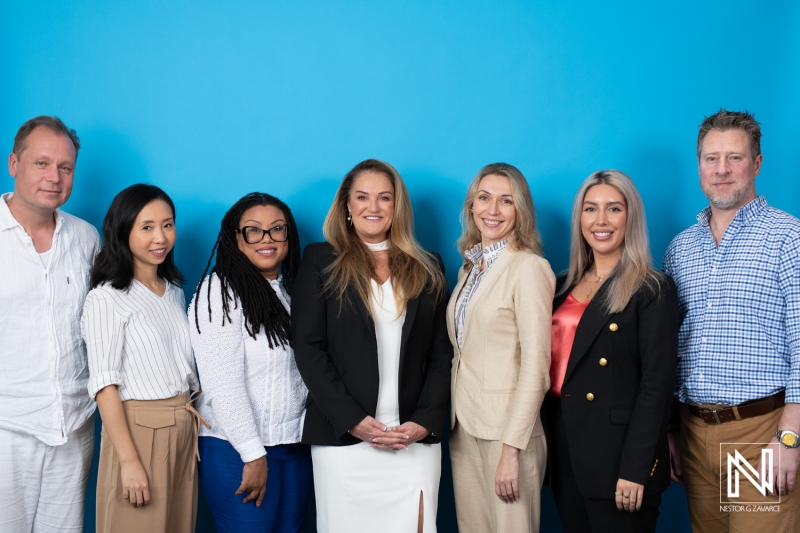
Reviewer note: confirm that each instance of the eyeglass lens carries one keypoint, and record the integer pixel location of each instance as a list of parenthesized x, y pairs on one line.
[(253, 234)]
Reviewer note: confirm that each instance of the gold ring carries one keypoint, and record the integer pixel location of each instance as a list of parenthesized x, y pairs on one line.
[(628, 497), (617, 493)]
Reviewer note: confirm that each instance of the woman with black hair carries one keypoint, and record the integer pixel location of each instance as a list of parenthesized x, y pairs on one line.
[(253, 395), (141, 370)]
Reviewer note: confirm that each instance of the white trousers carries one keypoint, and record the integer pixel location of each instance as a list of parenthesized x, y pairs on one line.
[(43, 488)]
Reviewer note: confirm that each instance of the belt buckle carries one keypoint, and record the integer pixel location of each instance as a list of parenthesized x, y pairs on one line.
[(713, 411)]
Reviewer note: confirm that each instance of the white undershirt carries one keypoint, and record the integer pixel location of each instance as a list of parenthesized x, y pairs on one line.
[(45, 257)]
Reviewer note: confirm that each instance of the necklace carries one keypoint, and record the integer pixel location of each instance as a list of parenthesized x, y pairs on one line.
[(598, 282)]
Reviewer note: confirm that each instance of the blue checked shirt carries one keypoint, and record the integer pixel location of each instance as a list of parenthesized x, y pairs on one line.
[(740, 307)]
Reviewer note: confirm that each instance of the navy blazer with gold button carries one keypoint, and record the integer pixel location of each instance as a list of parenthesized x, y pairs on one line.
[(625, 362)]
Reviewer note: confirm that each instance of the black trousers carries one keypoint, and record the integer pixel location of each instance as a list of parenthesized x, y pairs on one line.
[(580, 514)]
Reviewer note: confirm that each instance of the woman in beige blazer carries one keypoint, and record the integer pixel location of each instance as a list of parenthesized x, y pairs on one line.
[(499, 321)]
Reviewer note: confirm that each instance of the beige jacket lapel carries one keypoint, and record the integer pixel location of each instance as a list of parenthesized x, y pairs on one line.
[(451, 307), (489, 279)]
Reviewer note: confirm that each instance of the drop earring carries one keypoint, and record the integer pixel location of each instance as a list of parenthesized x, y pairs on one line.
[(350, 218)]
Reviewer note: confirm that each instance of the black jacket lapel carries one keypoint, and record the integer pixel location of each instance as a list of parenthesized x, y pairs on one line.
[(408, 323), (591, 324)]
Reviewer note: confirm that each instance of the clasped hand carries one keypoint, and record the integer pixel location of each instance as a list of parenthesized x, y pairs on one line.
[(384, 437)]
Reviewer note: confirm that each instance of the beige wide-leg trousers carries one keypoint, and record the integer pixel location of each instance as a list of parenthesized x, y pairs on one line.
[(164, 433), (478, 508)]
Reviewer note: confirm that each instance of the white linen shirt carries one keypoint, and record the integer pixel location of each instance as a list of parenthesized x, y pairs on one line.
[(138, 341), (253, 395), (43, 370)]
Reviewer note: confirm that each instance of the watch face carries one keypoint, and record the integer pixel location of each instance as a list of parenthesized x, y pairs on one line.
[(788, 439)]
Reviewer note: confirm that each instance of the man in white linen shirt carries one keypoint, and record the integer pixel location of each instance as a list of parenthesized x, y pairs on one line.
[(46, 415)]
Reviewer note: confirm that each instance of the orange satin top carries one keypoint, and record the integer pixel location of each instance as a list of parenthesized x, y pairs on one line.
[(565, 322)]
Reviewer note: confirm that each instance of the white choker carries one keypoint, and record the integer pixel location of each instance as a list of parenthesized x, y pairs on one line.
[(380, 247)]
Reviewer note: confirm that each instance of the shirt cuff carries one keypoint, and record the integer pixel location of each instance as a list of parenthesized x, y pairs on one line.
[(250, 450), (792, 394), (98, 382)]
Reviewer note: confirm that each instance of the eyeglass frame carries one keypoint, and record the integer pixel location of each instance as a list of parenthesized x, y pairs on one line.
[(264, 232)]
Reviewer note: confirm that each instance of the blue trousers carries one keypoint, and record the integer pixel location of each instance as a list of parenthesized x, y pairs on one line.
[(289, 484)]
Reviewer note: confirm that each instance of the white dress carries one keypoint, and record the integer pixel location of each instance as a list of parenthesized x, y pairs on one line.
[(363, 489)]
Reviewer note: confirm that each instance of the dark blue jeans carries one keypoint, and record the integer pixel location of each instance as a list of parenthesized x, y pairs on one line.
[(289, 484)]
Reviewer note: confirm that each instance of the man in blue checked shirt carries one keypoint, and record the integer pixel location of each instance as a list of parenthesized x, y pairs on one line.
[(738, 379)]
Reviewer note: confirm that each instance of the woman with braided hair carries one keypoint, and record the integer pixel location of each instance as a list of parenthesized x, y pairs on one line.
[(253, 395)]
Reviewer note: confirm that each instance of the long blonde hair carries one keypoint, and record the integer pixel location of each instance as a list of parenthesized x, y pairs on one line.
[(525, 236), (413, 269), (635, 266)]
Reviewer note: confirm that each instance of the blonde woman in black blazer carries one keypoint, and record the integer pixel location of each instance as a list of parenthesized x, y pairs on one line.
[(370, 341), (615, 332)]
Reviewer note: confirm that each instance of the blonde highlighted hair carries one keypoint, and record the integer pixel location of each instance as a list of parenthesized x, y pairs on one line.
[(635, 267), (413, 269), (524, 236)]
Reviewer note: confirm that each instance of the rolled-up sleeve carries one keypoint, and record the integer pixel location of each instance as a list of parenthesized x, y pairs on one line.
[(103, 331)]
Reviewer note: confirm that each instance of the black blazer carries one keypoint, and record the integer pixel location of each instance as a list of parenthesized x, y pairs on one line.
[(337, 354), (621, 433)]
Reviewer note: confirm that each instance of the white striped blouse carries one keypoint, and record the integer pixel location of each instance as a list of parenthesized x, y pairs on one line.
[(138, 341)]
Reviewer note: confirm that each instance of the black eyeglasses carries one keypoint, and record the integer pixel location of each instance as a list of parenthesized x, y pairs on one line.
[(254, 234)]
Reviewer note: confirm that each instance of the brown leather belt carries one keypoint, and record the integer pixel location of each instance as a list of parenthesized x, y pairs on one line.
[(750, 409)]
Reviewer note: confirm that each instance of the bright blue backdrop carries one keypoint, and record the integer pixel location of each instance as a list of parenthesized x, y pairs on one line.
[(211, 100)]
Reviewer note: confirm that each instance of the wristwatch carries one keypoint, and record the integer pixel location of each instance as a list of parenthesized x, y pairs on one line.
[(788, 438)]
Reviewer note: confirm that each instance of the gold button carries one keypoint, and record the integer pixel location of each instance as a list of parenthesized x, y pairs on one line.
[(603, 361), (613, 327), (590, 396)]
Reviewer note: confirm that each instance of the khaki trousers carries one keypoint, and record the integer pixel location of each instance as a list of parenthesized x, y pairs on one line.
[(705, 476), (478, 508), (164, 433)]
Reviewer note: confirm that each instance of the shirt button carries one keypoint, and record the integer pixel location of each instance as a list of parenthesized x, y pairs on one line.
[(701, 376), (704, 339), (714, 270), (709, 305)]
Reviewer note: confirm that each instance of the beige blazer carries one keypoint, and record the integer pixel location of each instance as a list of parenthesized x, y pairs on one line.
[(502, 372)]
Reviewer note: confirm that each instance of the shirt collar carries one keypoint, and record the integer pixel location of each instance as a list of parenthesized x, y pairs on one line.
[(745, 214), (7, 220), (476, 254)]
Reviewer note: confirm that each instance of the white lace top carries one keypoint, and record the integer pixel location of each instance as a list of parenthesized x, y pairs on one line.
[(253, 396)]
